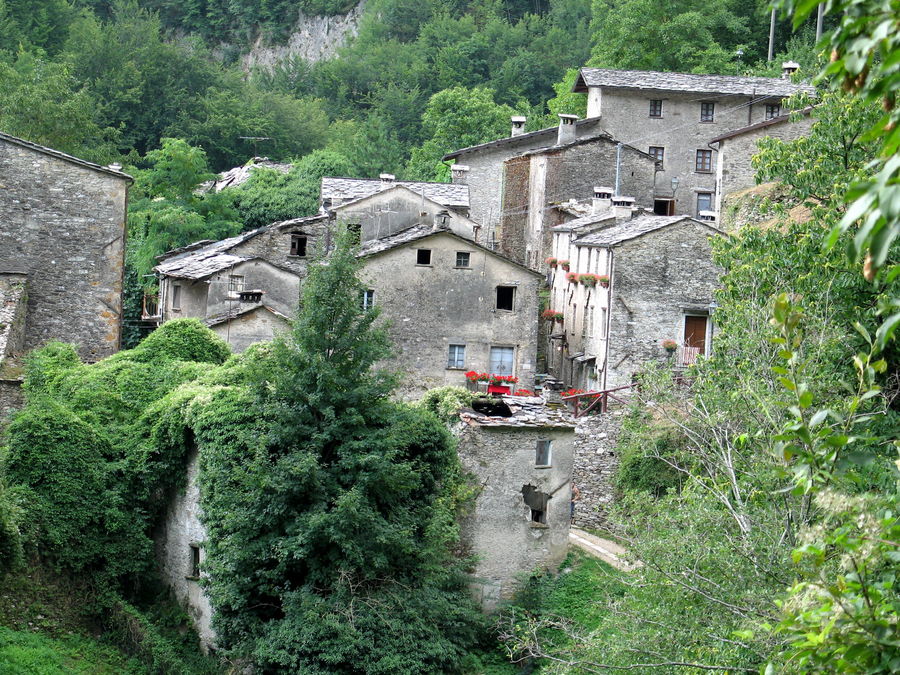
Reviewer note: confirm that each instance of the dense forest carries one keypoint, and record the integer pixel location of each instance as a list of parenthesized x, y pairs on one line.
[(762, 501)]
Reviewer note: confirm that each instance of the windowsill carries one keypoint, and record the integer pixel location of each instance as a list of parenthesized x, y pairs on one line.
[(176, 309), (457, 267), (455, 368), (707, 121), (539, 526), (654, 117), (543, 466), (424, 265), (705, 173), (504, 311)]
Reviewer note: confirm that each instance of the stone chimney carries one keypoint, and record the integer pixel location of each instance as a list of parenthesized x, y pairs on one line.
[(440, 220), (566, 129), (707, 216), (602, 200), (459, 174), (518, 125), (623, 208), (788, 68), (387, 177)]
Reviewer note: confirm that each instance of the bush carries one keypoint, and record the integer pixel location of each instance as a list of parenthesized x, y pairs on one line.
[(445, 402)]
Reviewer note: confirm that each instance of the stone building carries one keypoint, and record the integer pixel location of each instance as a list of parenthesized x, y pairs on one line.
[(63, 226), (481, 168), (534, 182), (658, 285), (520, 452), (452, 306), (734, 170), (337, 191), (674, 116)]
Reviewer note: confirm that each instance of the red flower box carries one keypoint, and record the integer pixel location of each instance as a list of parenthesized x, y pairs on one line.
[(497, 389)]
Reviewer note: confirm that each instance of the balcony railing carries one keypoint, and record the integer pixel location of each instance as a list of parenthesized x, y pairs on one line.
[(150, 308), (687, 356)]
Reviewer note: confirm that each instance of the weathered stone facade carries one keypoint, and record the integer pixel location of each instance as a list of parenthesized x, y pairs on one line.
[(63, 224), (13, 299), (539, 179), (595, 466), (429, 307), (503, 530)]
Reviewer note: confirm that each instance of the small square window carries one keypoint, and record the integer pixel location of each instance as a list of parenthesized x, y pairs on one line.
[(194, 562), (657, 153), (463, 258), (772, 111), (703, 163), (707, 111), (656, 108), (423, 256), (542, 454), (456, 356), (235, 283), (298, 245), (368, 299), (506, 296), (539, 516)]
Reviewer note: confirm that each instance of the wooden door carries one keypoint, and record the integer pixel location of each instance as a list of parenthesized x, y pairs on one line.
[(695, 332)]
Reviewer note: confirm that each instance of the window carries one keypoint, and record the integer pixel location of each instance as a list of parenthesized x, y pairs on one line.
[(542, 454), (298, 245), (704, 201), (656, 108), (355, 230), (423, 256), (368, 299), (176, 297), (539, 516), (707, 111), (235, 283), (506, 296), (463, 258), (502, 360), (772, 110), (603, 322), (587, 326), (456, 356), (657, 152), (704, 161), (194, 562)]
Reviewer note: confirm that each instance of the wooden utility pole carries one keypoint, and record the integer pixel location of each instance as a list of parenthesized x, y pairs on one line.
[(819, 21), (772, 37)]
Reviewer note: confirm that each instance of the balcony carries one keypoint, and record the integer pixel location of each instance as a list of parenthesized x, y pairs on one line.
[(150, 308)]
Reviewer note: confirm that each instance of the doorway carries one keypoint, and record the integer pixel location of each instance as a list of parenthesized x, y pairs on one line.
[(664, 207)]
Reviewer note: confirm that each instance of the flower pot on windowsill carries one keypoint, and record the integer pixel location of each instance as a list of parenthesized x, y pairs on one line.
[(497, 389), (603, 280)]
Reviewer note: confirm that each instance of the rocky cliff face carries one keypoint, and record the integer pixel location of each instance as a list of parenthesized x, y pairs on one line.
[(313, 38)]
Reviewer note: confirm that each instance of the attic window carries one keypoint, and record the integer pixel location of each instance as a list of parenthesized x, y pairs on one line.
[(235, 283), (707, 111), (298, 245), (772, 111), (506, 296), (656, 107), (463, 258), (423, 256)]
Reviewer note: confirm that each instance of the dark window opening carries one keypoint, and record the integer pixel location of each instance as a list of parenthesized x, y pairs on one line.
[(368, 298), (537, 502), (463, 258), (656, 108), (542, 454), (772, 111), (491, 407), (355, 230), (195, 561), (707, 112), (657, 152), (506, 296), (298, 245), (538, 516), (250, 296), (664, 207), (423, 256), (176, 297)]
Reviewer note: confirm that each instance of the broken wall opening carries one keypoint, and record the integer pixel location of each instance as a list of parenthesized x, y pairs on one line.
[(537, 502)]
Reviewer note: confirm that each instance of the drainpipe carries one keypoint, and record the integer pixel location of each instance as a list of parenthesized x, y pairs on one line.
[(618, 166), (609, 291)]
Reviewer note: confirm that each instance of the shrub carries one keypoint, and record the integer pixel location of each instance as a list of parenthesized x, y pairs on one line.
[(445, 402)]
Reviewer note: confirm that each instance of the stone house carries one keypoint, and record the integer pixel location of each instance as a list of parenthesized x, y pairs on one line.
[(452, 306), (63, 226), (674, 116), (481, 168), (520, 452), (660, 285), (734, 170), (337, 191), (534, 182)]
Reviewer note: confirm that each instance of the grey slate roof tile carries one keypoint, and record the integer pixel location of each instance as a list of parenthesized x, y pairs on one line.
[(687, 82), (632, 229), (68, 158), (548, 135), (527, 411), (448, 194)]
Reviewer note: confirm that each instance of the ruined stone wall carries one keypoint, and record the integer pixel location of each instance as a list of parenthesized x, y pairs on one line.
[(64, 225), (498, 528), (657, 280), (595, 465), (514, 222), (274, 245)]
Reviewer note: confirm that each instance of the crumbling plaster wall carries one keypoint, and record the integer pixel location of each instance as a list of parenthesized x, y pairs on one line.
[(64, 225), (181, 528), (657, 279), (429, 307), (499, 529), (281, 288), (260, 325)]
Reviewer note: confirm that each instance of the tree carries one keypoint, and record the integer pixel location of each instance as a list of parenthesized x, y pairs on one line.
[(330, 524)]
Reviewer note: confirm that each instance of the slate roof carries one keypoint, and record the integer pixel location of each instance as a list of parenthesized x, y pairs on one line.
[(448, 194), (632, 229), (759, 125), (527, 411), (230, 315), (63, 156), (687, 82), (548, 135), (416, 232), (241, 174), (583, 221)]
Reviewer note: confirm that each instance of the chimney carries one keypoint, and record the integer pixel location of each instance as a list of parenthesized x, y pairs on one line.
[(566, 129), (440, 220), (707, 216), (788, 68), (115, 166), (623, 208), (459, 174), (602, 200), (518, 125), (387, 177)]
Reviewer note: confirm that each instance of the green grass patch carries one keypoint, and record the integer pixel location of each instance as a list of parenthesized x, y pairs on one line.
[(34, 653)]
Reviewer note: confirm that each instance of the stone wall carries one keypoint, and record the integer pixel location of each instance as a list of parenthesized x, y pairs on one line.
[(657, 280), (64, 225), (595, 466), (11, 398), (499, 527), (259, 325)]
